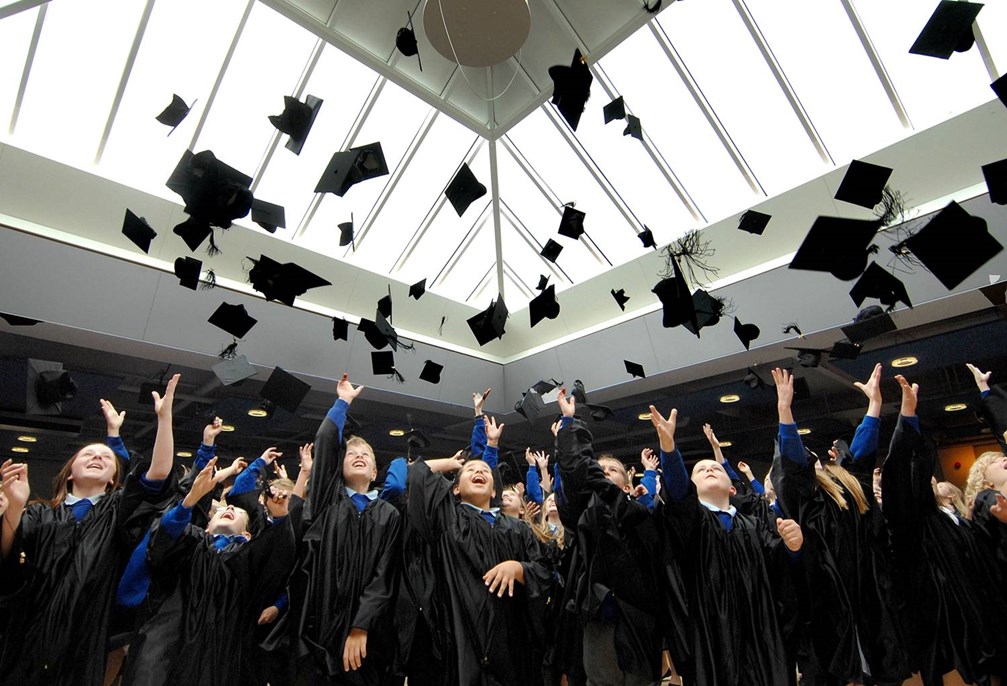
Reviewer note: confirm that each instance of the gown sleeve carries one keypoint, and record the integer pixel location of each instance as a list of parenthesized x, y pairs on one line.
[(327, 472), (431, 504)]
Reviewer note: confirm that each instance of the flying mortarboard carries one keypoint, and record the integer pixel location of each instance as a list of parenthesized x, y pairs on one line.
[(551, 250), (385, 305), (754, 222), (379, 336), (464, 189), (543, 306), (489, 324), (571, 88), (234, 370), (340, 329), (708, 310), (213, 191), (615, 110), (647, 238), (620, 298), (635, 369), (948, 30), (676, 300), (386, 330), (431, 372), (877, 282), (753, 380), (15, 320), (746, 333), (296, 120), (267, 215), (285, 390), (233, 319), (953, 245), (405, 41), (383, 363), (138, 231), (346, 233), (351, 167), (418, 289), (544, 386), (193, 232), (838, 246), (282, 282), (863, 184), (869, 323), (995, 174), (187, 270), (530, 405), (845, 350), (572, 223), (543, 281), (174, 113), (1000, 88), (808, 357), (633, 127)]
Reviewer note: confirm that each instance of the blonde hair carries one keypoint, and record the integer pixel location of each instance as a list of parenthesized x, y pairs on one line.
[(833, 479), (282, 483), (61, 485), (977, 478), (540, 527), (358, 441), (957, 497), (612, 459)]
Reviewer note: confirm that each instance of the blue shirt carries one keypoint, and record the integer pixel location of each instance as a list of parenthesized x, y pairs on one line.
[(649, 482), (791, 446), (865, 440), (361, 500), (118, 447)]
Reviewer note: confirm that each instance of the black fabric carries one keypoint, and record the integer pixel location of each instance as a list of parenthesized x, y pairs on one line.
[(993, 411), (59, 581)]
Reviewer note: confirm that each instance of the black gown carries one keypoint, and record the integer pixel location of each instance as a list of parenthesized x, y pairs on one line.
[(493, 639), (947, 590), (59, 582)]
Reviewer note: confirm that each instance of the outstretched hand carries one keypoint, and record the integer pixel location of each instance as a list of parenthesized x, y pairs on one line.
[(567, 405), (784, 381), (162, 404), (446, 465), (872, 389), (982, 378), (710, 436), (346, 391), (15, 484), (270, 454), (478, 399), (204, 482), (493, 431), (910, 394), (113, 419), (212, 430), (502, 577), (306, 459), (746, 470), (665, 428), (649, 460)]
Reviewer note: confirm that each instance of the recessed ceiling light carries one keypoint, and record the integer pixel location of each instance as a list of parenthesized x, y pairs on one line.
[(644, 416), (397, 432), (227, 427), (956, 407), (730, 398), (726, 444), (28, 439), (801, 432), (19, 449), (183, 453), (907, 361), (258, 412)]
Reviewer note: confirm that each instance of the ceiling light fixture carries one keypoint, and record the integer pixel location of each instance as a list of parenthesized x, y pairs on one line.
[(644, 416), (28, 439), (19, 449), (956, 407), (258, 412), (397, 432), (227, 428), (800, 432), (907, 361), (183, 453), (726, 444), (730, 398)]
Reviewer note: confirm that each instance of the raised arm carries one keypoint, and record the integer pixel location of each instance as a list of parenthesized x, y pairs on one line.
[(718, 455), (17, 490), (113, 423), (992, 405), (208, 448), (477, 444), (163, 455), (327, 468), (864, 447), (168, 544), (395, 480), (533, 487), (581, 474), (301, 485), (493, 432), (797, 481)]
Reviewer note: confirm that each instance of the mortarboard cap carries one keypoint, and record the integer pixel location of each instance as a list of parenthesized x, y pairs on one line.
[(708, 310), (431, 372), (948, 30), (953, 245), (213, 191), (579, 393), (340, 329), (676, 300), (571, 88), (544, 386), (285, 390), (647, 238), (386, 330), (346, 234), (543, 281), (635, 369), (351, 167), (267, 215), (863, 184), (877, 282), (845, 350), (405, 41), (633, 127), (838, 246), (551, 250), (995, 293), (174, 113), (615, 109), (754, 222), (233, 319), (464, 189), (15, 320), (870, 322), (187, 270), (489, 323), (385, 305), (193, 232), (374, 335), (746, 333), (995, 174), (138, 231), (543, 306), (296, 120), (383, 362), (234, 370), (572, 223), (418, 289), (1000, 88), (620, 298), (530, 405), (282, 282)]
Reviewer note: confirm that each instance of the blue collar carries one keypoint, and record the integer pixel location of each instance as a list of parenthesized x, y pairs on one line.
[(221, 541), (370, 495)]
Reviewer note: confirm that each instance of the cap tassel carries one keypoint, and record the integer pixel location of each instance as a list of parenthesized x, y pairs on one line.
[(230, 352), (692, 251), (652, 8), (212, 250), (398, 377), (209, 281), (792, 327)]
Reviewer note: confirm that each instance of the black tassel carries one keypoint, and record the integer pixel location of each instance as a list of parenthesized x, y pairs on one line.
[(892, 208), (209, 281), (398, 377), (792, 327), (230, 352), (652, 8), (691, 251), (212, 250)]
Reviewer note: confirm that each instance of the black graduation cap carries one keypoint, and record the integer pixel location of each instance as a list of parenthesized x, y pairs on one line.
[(379, 335), (551, 250), (995, 174), (869, 323), (464, 189), (386, 329), (838, 246), (615, 110), (346, 233), (385, 305), (138, 230), (351, 167), (174, 113), (431, 372), (193, 232), (633, 127), (543, 386), (15, 320), (579, 393), (746, 333), (233, 319), (383, 363), (530, 405), (234, 370), (213, 191), (267, 215), (676, 300), (296, 120), (543, 306), (996, 293), (340, 329), (863, 184), (621, 298), (948, 30), (647, 238), (708, 310), (1000, 88), (489, 323), (284, 390), (418, 289), (282, 282), (845, 350), (953, 245), (543, 281), (405, 41), (754, 222), (635, 369), (572, 223), (878, 282), (187, 270), (571, 88)]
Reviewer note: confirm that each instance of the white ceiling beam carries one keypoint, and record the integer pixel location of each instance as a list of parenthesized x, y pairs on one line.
[(26, 72)]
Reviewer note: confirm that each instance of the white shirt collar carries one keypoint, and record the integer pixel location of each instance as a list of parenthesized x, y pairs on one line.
[(950, 513), (371, 495), (731, 510), (493, 510), (71, 498)]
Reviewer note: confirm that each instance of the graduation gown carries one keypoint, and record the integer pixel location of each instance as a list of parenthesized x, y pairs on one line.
[(203, 633), (948, 593), (493, 639), (59, 584)]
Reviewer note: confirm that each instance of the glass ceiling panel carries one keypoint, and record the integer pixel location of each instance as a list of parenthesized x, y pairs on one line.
[(270, 58), (933, 90), (75, 71), (15, 37), (343, 84), (673, 120), (730, 70), (139, 151), (827, 66)]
